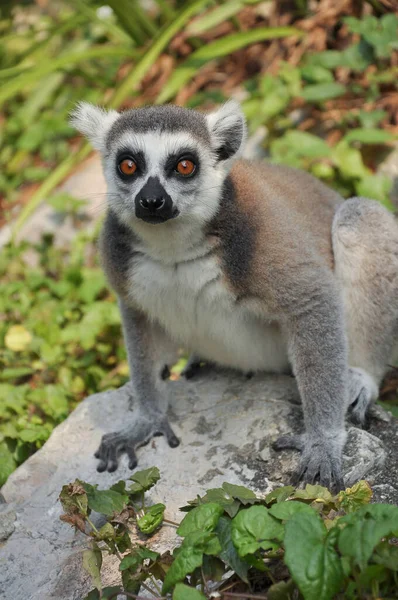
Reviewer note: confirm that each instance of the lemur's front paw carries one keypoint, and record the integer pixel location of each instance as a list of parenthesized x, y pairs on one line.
[(113, 445), (320, 459)]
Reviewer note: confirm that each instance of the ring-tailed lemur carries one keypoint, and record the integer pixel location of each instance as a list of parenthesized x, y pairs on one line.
[(250, 265)]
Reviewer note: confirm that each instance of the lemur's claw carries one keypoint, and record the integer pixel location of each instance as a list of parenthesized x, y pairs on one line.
[(320, 461), (113, 445)]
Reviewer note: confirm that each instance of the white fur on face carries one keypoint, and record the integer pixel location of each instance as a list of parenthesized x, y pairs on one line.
[(196, 198)]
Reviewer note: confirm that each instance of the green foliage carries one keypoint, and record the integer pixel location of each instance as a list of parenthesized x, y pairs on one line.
[(60, 340), (152, 519), (106, 502), (342, 166), (311, 557), (144, 480), (202, 518), (290, 542)]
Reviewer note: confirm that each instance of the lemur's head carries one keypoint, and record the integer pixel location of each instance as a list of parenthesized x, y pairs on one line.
[(164, 162)]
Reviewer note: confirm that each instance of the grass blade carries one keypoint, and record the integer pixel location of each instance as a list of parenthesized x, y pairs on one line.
[(215, 17), (130, 84), (218, 49), (13, 87), (50, 183)]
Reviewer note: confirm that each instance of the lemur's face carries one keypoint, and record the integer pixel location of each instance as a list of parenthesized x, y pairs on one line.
[(164, 163)]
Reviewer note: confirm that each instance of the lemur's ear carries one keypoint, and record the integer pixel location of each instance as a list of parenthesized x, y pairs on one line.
[(94, 122), (227, 129)]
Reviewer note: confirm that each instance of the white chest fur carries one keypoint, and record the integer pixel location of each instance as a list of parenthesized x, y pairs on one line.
[(195, 307)]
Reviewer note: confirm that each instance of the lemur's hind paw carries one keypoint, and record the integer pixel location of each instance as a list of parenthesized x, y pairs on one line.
[(113, 445), (192, 367), (320, 459), (362, 390)]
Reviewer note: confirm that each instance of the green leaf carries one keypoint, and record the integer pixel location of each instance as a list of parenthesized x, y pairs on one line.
[(386, 554), (92, 561), (320, 92), (183, 592), (131, 82), (376, 187), (349, 160), (136, 557), (316, 74), (352, 498), (7, 463), (369, 119), (280, 494), (106, 502), (131, 581), (73, 498), (217, 49), (107, 592), (329, 59), (369, 136), (283, 590), (202, 518), (106, 532), (295, 145), (255, 528), (310, 555), (187, 560), (190, 556), (33, 75), (228, 551), (214, 568), (241, 493), (286, 510), (214, 17), (220, 496), (314, 492), (144, 480), (364, 529), (152, 519), (381, 33)]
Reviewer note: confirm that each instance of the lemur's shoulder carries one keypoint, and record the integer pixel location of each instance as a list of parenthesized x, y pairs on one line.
[(286, 204), (261, 183), (272, 221)]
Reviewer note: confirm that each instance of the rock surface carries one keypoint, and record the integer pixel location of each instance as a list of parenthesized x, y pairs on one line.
[(226, 424)]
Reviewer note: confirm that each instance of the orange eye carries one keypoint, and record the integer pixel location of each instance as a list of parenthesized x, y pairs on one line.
[(185, 167), (127, 166)]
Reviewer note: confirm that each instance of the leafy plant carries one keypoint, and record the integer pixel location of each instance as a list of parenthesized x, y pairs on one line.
[(60, 340), (290, 543)]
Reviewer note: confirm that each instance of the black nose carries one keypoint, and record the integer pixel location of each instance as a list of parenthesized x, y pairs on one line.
[(152, 204)]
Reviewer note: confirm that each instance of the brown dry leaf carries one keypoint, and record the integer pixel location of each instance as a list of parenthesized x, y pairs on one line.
[(76, 520), (124, 517), (75, 489)]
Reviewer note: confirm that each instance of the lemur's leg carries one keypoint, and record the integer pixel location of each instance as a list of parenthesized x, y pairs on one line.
[(365, 245), (143, 341)]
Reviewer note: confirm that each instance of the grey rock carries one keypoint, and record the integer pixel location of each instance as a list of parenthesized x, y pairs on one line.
[(7, 522), (226, 424)]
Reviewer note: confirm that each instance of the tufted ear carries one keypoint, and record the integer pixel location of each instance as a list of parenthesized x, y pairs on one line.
[(93, 122), (227, 129)]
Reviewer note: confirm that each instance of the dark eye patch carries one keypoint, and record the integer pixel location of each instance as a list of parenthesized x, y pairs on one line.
[(173, 159), (137, 156)]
